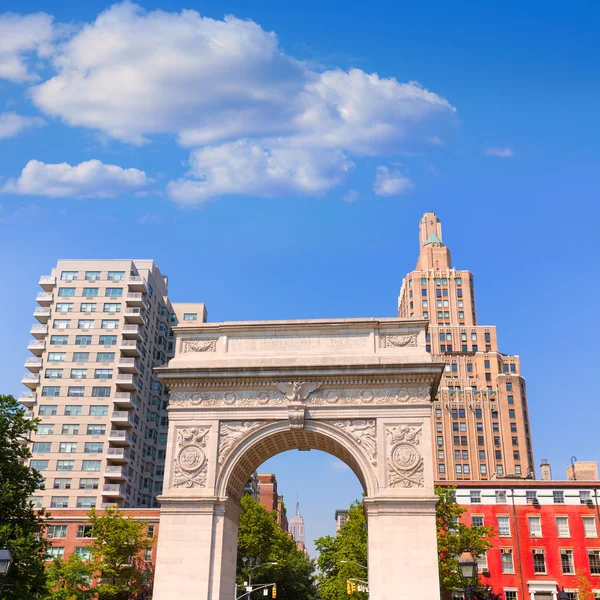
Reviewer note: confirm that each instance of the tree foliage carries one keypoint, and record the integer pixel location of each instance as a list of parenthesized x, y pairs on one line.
[(20, 524), (584, 585), (260, 537), (349, 545), (117, 549), (70, 579)]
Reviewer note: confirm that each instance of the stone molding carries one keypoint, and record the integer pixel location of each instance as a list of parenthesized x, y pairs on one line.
[(405, 462), (190, 464), (199, 346), (321, 397), (230, 432), (364, 433)]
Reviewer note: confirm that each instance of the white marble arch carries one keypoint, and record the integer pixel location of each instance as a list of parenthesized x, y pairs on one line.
[(359, 389)]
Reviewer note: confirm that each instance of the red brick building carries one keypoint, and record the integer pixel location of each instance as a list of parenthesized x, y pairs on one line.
[(546, 533)]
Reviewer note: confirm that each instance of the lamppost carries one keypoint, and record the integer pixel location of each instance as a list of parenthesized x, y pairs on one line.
[(563, 595), (251, 568), (5, 565), (468, 571)]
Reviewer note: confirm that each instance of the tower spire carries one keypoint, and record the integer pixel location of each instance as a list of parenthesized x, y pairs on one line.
[(433, 253), (297, 503)]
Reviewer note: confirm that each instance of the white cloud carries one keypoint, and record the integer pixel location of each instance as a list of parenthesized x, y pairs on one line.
[(391, 182), (505, 152), (227, 91), (19, 37), (90, 179), (251, 168), (351, 196), (12, 124)]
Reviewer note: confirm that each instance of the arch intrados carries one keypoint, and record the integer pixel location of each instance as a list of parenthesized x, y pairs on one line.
[(275, 438)]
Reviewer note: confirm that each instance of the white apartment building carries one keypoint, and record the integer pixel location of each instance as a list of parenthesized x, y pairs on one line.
[(103, 325)]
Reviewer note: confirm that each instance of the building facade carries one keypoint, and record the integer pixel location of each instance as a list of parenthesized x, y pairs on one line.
[(103, 325), (481, 424), (297, 524), (270, 498), (546, 535)]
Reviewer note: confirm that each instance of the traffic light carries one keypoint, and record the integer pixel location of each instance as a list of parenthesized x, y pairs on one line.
[(350, 587), (274, 590)]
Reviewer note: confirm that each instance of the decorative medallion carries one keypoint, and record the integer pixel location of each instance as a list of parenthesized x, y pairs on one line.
[(405, 463), (190, 461)]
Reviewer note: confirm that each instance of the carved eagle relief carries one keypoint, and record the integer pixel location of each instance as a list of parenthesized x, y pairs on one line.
[(296, 391)]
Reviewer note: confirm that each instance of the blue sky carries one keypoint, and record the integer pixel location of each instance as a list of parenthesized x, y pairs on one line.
[(273, 175)]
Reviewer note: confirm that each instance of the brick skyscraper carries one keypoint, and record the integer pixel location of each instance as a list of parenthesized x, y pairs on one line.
[(481, 418)]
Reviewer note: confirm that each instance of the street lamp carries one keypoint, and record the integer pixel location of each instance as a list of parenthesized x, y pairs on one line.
[(563, 595), (251, 568), (468, 571), (5, 565)]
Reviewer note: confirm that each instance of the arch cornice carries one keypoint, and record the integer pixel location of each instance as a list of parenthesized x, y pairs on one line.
[(359, 462)]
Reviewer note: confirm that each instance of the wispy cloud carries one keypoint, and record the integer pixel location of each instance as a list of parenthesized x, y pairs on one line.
[(12, 124), (151, 219), (390, 182), (500, 152), (351, 196)]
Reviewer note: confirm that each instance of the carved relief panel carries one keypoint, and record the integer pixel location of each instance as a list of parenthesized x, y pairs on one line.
[(191, 462), (404, 458)]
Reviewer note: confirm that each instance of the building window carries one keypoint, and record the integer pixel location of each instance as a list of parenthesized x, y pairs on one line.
[(503, 526), (69, 276), (114, 292), (539, 561), (59, 502), (562, 525), (194, 316), (64, 307), (482, 564), (65, 465), (70, 429), (74, 410), (85, 324), (531, 497), (39, 465), (88, 484), (585, 497), (535, 526), (59, 340), (78, 373), (96, 429), (566, 561), (67, 447), (475, 496), (44, 429), (90, 465), (150, 531), (84, 531), (66, 292), (93, 447), (62, 483), (441, 468), (509, 386), (589, 527), (88, 307), (507, 560), (109, 324), (92, 275), (105, 357), (594, 558), (510, 594), (97, 410), (56, 531), (83, 552), (116, 275), (42, 447), (48, 410), (53, 374), (83, 340), (90, 292), (86, 502), (55, 551), (103, 374), (107, 340), (477, 521)]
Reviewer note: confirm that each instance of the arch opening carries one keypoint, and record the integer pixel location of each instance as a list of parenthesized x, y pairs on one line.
[(274, 439)]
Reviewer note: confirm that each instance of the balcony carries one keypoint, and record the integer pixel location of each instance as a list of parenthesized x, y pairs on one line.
[(126, 382), (30, 380), (132, 332), (36, 347), (117, 455), (28, 414), (113, 490), (116, 472), (137, 284), (33, 364), (129, 348), (44, 298), (128, 365), (27, 399), (134, 315), (136, 299), (47, 282), (122, 418), (119, 437), (39, 331), (42, 314), (123, 400)]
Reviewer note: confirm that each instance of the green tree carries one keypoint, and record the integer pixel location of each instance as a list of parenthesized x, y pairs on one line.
[(350, 544), (21, 526), (260, 537), (117, 548), (70, 579), (454, 537), (584, 585)]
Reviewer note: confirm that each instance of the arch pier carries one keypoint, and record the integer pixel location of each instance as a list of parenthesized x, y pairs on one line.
[(241, 392)]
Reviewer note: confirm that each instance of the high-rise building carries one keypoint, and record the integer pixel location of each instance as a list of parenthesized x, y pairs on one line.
[(103, 327), (297, 523), (270, 498), (481, 424)]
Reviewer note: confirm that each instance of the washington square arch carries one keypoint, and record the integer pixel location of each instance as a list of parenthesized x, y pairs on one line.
[(242, 392)]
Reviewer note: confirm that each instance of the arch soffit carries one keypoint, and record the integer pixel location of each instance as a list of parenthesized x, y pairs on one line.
[(316, 435)]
